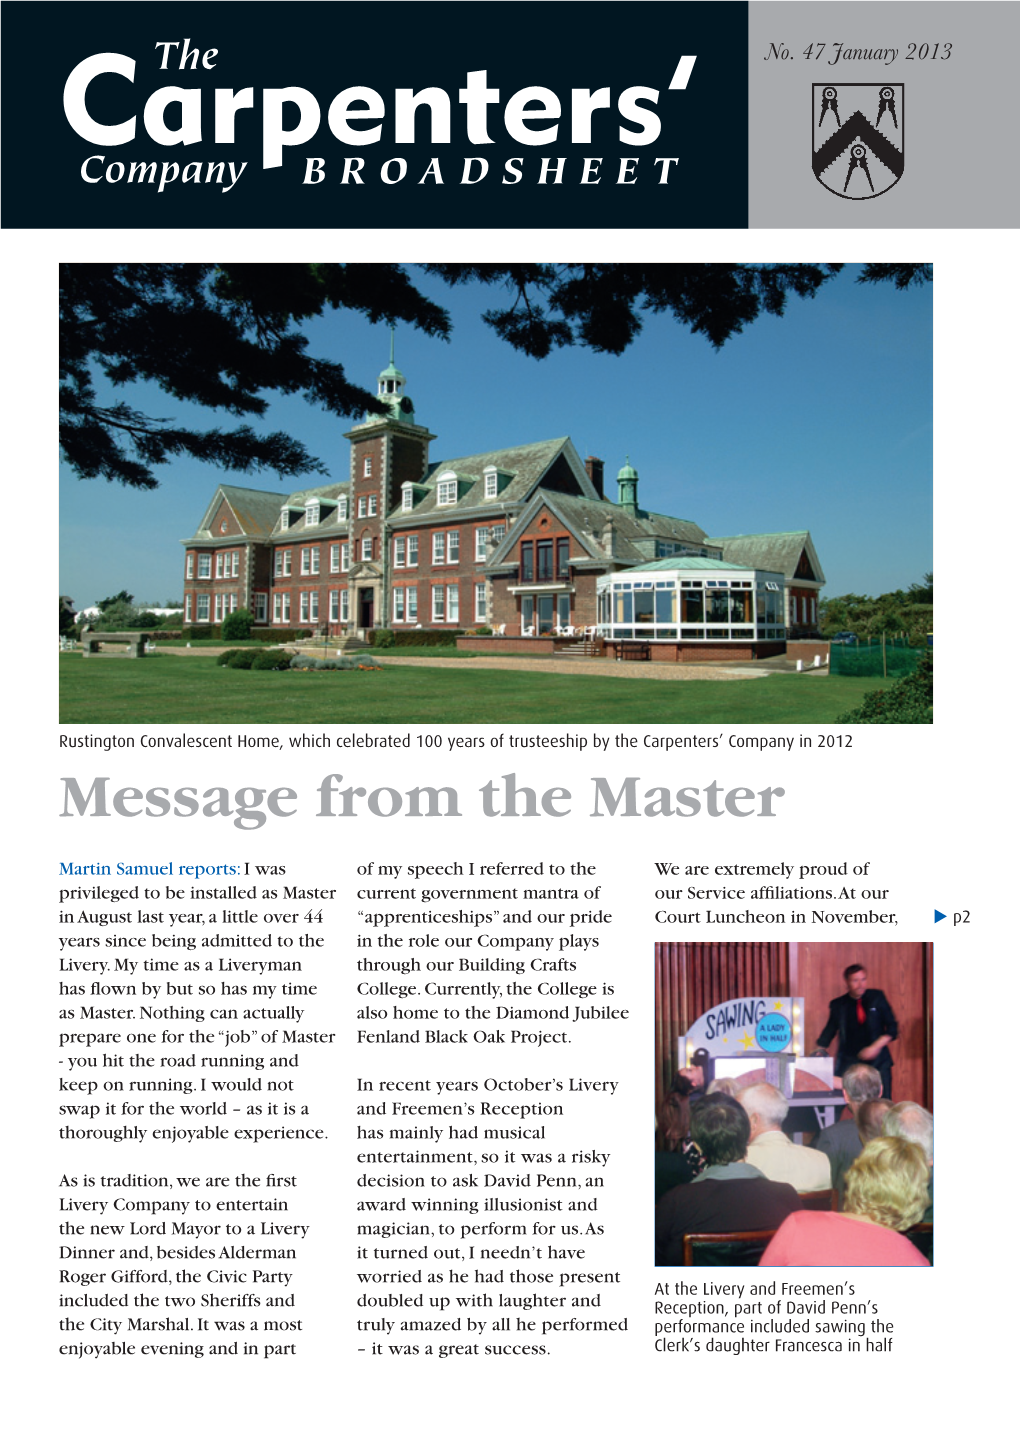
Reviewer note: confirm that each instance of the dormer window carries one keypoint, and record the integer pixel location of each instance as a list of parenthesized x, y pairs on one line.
[(491, 485), (407, 498), (312, 513), (341, 509), (285, 519), (446, 490)]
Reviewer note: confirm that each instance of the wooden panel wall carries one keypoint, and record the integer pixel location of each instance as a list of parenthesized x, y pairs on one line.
[(904, 971), (691, 977)]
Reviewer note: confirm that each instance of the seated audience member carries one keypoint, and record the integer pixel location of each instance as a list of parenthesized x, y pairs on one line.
[(886, 1192), (840, 1142), (869, 1119), (909, 1120), (772, 1151), (677, 1159), (730, 1195)]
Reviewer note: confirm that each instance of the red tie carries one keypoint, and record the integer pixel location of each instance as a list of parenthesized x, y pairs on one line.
[(860, 1012)]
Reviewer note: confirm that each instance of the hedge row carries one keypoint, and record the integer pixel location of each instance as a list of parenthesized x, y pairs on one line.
[(264, 636), (249, 658), (386, 638)]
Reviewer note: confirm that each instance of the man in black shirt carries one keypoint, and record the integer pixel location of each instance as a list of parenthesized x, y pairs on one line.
[(864, 1022)]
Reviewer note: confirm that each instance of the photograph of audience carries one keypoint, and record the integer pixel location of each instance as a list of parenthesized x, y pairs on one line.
[(747, 1151)]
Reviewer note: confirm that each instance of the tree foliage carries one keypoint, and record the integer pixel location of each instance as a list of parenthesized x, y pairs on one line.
[(228, 338), (909, 611), (601, 306)]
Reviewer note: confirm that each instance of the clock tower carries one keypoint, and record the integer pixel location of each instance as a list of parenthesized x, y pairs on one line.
[(387, 451)]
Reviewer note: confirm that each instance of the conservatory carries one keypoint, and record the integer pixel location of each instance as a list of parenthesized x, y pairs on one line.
[(688, 602)]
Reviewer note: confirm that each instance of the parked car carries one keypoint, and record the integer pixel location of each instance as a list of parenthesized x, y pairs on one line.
[(844, 638)]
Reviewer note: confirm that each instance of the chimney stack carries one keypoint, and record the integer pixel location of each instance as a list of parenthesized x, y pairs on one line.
[(595, 468)]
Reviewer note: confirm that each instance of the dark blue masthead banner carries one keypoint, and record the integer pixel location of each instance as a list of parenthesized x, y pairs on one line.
[(502, 116)]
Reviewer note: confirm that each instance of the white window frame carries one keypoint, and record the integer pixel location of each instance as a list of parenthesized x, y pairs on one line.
[(453, 604), (312, 514), (306, 560), (189, 567), (277, 607), (345, 607), (491, 485), (362, 507), (313, 607), (234, 563), (187, 608), (366, 469), (439, 548), (399, 551), (334, 558), (482, 543), (398, 605), (439, 603), (285, 599), (407, 498), (261, 600), (345, 556), (205, 567), (481, 609), (446, 493), (341, 509), (303, 608), (203, 605), (366, 548), (334, 607), (412, 550), (220, 558), (452, 548), (285, 519), (412, 604), (373, 505)]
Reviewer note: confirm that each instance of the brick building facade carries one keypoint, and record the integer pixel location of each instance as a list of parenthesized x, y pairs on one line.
[(515, 539)]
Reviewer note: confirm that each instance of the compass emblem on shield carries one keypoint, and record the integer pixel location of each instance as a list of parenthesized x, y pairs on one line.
[(857, 138)]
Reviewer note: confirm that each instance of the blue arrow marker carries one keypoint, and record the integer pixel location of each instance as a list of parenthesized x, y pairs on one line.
[(939, 916)]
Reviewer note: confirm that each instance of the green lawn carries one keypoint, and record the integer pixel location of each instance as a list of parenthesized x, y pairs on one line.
[(194, 689)]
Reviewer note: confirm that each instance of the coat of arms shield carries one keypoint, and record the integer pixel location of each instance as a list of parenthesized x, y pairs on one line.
[(857, 138)]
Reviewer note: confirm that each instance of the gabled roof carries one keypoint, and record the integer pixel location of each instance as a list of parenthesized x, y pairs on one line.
[(256, 512), (586, 519), (773, 551), (555, 462)]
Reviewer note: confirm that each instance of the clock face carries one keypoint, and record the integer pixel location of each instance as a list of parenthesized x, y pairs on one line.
[(405, 404)]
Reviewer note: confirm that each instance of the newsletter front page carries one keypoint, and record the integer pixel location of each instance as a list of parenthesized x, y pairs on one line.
[(388, 1026)]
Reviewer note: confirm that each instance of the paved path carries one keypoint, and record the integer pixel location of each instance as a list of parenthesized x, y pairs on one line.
[(587, 666), (622, 670)]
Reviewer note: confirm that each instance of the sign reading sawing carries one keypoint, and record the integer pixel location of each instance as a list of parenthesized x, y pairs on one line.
[(857, 138)]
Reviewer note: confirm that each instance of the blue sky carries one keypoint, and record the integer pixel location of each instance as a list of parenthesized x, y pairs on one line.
[(818, 421)]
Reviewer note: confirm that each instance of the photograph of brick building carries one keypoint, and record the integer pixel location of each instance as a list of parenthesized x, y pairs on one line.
[(521, 540)]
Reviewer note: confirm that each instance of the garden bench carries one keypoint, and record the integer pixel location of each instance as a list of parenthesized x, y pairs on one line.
[(135, 642)]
